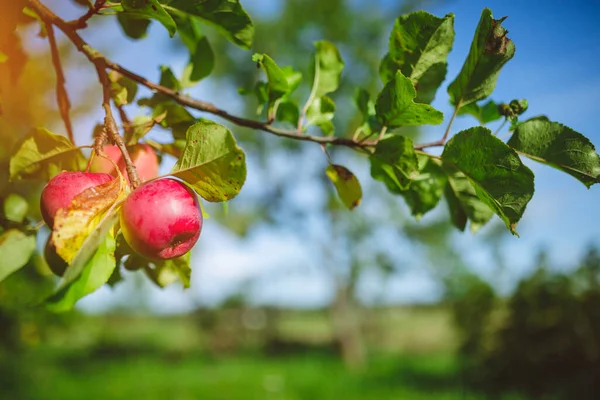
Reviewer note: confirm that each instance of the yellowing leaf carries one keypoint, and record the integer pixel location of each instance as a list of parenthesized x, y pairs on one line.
[(73, 225), (346, 184), (43, 155)]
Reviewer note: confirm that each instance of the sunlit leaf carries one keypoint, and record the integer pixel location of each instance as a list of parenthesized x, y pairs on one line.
[(277, 84), (396, 107), (122, 89), (489, 51), (559, 146), (346, 184), (43, 154), (326, 69), (320, 113), (16, 248), (212, 163), (495, 170)]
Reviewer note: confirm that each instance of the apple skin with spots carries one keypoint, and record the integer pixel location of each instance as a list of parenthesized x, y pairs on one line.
[(143, 156), (161, 219), (60, 191)]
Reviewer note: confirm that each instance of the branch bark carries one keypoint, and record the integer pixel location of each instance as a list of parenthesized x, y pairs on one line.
[(81, 22), (62, 97), (100, 63), (97, 58)]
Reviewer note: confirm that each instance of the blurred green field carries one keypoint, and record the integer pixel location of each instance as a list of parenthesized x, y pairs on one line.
[(123, 357), (309, 376)]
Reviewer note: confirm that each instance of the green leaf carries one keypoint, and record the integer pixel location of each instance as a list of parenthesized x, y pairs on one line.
[(202, 57), (141, 125), (16, 248), (426, 189), (134, 27), (320, 113), (43, 154), (396, 107), (212, 163), (366, 106), (277, 81), (163, 273), (96, 272), (277, 84), (485, 114), (346, 184), (327, 69), (495, 170), (395, 163), (15, 207), (150, 9), (228, 16), (559, 146), (418, 47), (174, 116), (287, 111), (293, 78), (463, 203), (490, 50), (122, 89)]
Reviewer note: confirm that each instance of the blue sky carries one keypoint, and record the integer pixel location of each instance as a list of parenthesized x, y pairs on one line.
[(555, 68)]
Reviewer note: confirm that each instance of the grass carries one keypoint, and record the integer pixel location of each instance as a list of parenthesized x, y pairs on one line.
[(309, 376), (125, 357)]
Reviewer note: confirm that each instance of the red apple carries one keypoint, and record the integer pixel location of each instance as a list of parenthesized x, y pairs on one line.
[(143, 156), (145, 160), (161, 219), (61, 190), (57, 265), (102, 165)]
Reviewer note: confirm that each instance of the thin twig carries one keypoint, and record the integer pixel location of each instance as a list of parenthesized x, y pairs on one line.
[(62, 97), (442, 141), (95, 57), (81, 22), (124, 118), (501, 126), (382, 133), (100, 63)]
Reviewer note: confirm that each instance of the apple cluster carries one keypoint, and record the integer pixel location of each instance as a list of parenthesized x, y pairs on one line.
[(160, 220)]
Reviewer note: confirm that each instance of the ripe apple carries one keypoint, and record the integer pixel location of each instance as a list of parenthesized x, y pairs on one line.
[(57, 265), (143, 156), (161, 219), (61, 190)]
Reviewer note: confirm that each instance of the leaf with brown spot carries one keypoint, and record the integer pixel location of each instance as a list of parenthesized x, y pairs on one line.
[(346, 185)]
